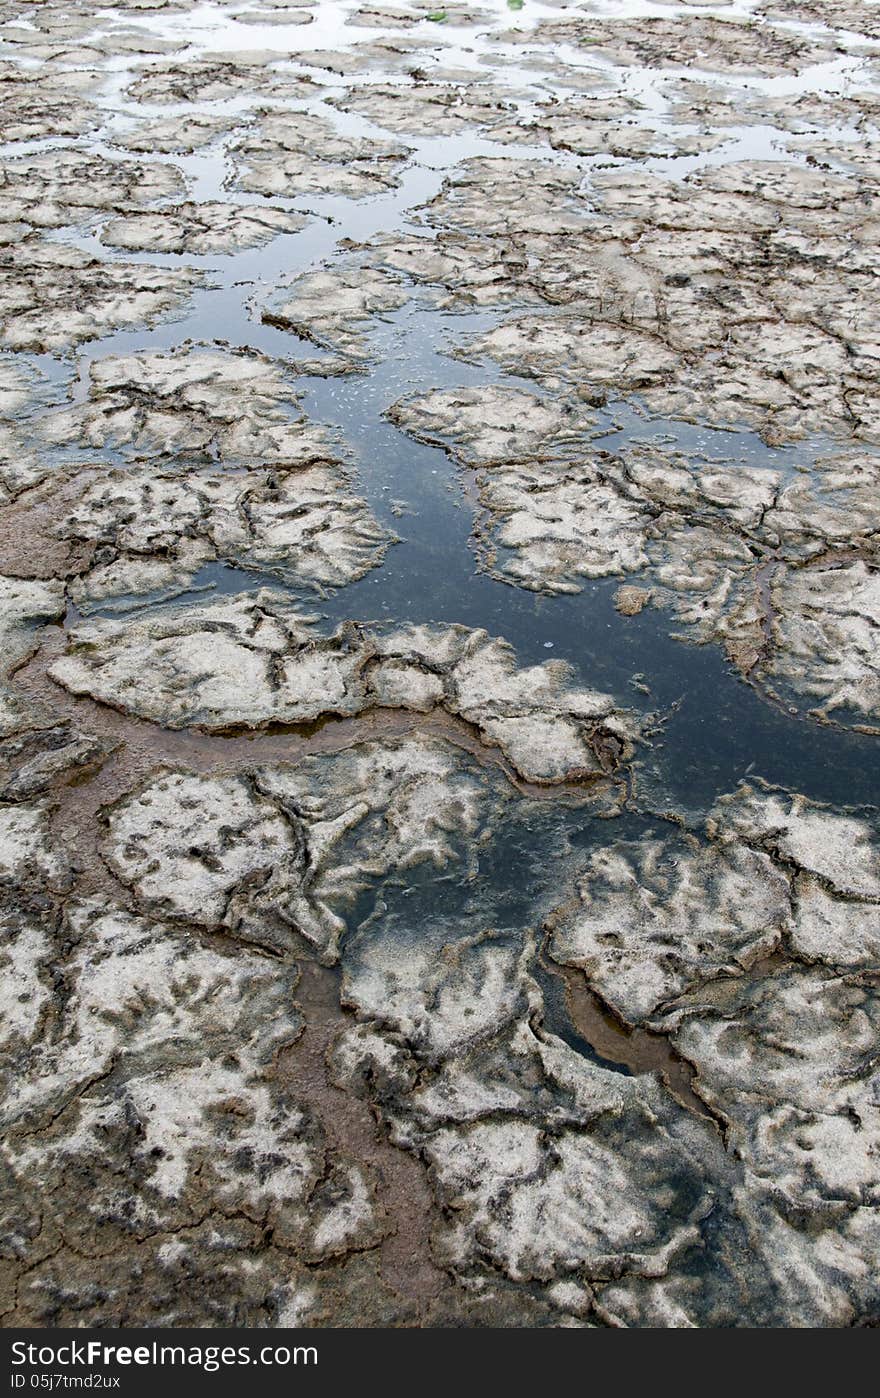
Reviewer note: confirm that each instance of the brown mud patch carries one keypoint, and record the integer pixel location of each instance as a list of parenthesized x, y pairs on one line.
[(639, 1050), (352, 1128)]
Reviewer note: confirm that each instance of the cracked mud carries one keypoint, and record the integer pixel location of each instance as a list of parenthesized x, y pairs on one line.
[(440, 686)]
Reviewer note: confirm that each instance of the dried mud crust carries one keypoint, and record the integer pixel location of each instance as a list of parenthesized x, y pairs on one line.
[(725, 45), (762, 322), (60, 188), (190, 424), (337, 308), (149, 534), (257, 661), (53, 297), (201, 228), (711, 104), (214, 80), (346, 980), (416, 109), (786, 947), (291, 153), (25, 607), (780, 571), (174, 135), (598, 1192), (193, 404), (835, 14), (36, 105)]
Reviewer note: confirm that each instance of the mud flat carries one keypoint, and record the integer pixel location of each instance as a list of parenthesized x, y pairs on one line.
[(440, 599)]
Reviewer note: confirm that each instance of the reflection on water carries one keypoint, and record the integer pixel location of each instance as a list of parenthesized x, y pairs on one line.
[(716, 728)]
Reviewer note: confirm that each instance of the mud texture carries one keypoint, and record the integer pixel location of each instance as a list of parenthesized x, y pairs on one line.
[(440, 695)]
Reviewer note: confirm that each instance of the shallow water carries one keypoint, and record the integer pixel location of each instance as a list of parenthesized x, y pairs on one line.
[(716, 728), (443, 942)]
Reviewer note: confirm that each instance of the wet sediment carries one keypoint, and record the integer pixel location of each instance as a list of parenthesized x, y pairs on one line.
[(439, 851)]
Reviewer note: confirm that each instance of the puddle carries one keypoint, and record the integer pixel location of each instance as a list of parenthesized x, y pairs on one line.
[(717, 729), (436, 899)]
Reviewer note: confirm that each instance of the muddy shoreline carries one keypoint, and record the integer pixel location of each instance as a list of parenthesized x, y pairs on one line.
[(440, 692)]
